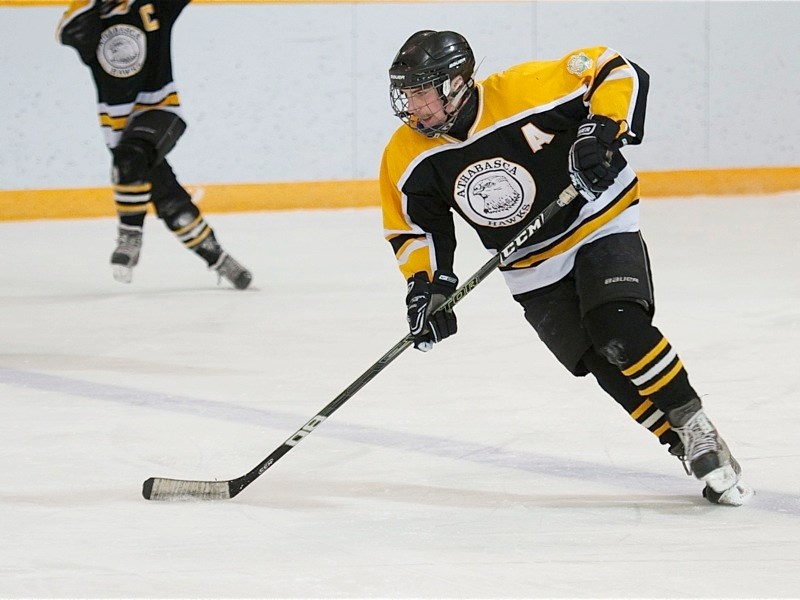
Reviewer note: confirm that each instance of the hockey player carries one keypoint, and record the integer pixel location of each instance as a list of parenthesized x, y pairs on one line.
[(126, 45), (496, 152)]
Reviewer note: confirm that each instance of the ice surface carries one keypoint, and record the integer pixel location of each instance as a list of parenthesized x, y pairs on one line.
[(480, 469)]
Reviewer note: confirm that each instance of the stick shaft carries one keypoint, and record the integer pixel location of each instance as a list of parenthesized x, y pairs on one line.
[(159, 488)]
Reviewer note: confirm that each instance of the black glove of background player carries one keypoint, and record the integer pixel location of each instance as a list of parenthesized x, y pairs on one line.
[(108, 6), (591, 167), (422, 299), (83, 34), (83, 31)]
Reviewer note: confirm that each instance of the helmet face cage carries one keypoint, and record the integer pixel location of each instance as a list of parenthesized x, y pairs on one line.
[(446, 100), (431, 60)]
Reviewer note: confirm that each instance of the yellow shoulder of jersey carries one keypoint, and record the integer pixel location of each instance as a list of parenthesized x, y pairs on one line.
[(403, 147), (539, 83), (503, 95)]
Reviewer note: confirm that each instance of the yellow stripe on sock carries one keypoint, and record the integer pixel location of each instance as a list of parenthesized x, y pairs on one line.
[(663, 429), (647, 358), (642, 408), (190, 226), (131, 209), (199, 239), (133, 188), (663, 381)]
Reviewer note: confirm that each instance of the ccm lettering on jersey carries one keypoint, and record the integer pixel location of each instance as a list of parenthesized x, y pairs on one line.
[(523, 236)]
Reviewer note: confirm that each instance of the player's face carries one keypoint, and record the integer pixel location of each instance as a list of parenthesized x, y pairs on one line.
[(425, 104)]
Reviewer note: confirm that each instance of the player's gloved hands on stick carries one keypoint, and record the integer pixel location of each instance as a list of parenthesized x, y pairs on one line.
[(422, 299), (590, 157)]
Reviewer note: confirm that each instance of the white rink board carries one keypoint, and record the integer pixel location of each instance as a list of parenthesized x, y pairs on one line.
[(298, 92)]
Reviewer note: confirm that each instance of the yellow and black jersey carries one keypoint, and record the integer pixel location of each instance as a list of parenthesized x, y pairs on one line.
[(128, 52), (513, 163)]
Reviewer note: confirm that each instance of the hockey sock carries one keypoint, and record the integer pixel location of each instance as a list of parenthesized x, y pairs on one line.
[(622, 332), (131, 203), (132, 220), (641, 410), (191, 229)]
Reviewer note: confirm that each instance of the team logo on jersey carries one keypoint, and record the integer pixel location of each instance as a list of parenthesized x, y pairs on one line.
[(579, 63), (495, 192), (122, 50)]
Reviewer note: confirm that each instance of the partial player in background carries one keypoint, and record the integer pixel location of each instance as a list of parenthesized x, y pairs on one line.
[(126, 44), (497, 152)]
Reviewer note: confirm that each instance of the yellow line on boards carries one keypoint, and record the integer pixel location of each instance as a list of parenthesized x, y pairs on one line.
[(720, 182), (97, 202)]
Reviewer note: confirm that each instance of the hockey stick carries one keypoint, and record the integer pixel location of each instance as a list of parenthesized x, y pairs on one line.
[(159, 488)]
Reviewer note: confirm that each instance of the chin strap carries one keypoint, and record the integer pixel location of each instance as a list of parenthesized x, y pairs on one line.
[(465, 114)]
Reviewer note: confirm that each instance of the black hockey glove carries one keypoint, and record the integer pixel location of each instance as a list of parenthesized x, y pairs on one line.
[(591, 167), (108, 6), (422, 299), (83, 34)]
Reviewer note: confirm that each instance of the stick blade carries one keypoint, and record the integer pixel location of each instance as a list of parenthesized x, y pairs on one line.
[(181, 490)]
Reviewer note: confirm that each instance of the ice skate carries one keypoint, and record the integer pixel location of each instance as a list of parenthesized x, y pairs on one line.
[(126, 254), (677, 450), (736, 495), (230, 269), (707, 456)]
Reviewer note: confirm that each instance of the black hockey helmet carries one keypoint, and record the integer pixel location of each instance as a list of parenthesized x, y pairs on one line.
[(432, 59)]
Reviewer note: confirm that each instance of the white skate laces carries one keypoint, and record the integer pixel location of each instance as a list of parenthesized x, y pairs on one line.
[(700, 437)]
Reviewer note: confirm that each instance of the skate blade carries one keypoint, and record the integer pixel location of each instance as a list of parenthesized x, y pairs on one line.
[(736, 495), (122, 273)]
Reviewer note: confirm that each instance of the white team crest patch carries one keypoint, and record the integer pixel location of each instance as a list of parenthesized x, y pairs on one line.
[(579, 63), (495, 192), (122, 50)]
